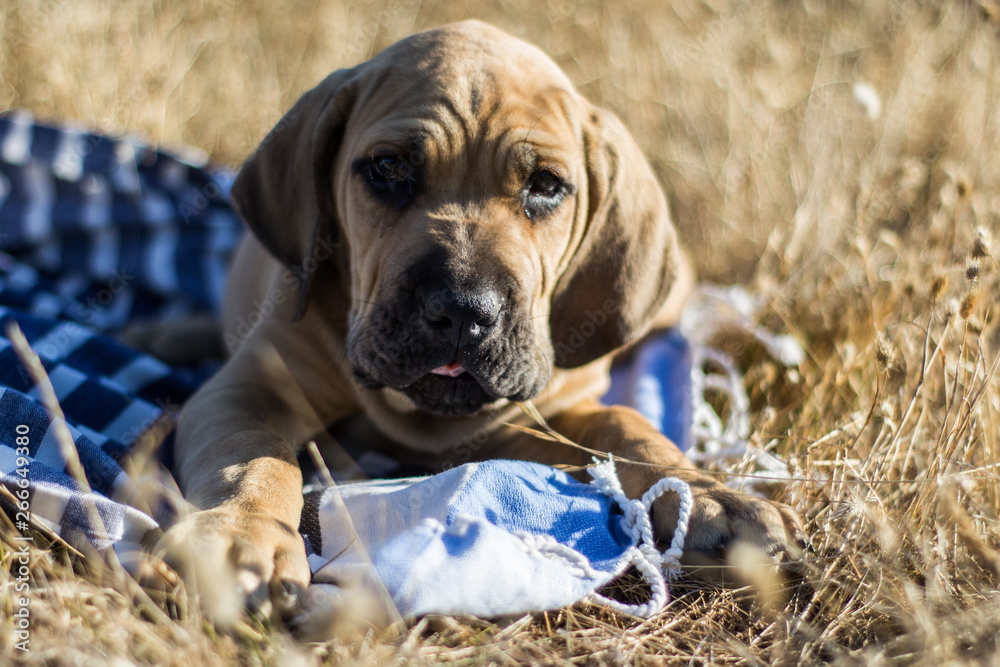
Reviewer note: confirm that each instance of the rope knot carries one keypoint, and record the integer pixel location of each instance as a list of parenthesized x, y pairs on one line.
[(634, 511), (654, 566)]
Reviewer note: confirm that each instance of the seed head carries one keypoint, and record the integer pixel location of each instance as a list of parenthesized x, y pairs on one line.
[(950, 308), (968, 304), (963, 186), (981, 245), (885, 354), (972, 270), (938, 286)]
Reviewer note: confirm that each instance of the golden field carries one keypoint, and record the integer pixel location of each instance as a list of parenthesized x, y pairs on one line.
[(866, 226)]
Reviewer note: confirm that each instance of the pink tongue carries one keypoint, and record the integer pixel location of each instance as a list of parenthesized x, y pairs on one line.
[(454, 369)]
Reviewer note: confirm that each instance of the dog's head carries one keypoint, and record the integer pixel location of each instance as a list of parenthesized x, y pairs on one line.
[(493, 223)]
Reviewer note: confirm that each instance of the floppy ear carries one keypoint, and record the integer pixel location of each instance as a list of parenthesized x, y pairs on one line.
[(284, 193), (628, 258)]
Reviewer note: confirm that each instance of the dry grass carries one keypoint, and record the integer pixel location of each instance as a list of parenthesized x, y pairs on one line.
[(857, 232)]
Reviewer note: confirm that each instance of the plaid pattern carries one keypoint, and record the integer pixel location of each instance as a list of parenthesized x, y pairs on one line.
[(96, 233), (104, 232), (106, 411)]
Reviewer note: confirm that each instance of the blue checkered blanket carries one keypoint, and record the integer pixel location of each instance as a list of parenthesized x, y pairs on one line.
[(97, 233)]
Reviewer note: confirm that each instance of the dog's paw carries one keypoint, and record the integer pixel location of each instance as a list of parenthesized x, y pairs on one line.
[(734, 539), (238, 561)]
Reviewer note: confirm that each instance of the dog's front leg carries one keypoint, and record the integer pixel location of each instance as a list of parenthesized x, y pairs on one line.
[(236, 462), (722, 518)]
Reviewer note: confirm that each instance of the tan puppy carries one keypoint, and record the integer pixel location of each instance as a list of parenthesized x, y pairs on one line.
[(438, 233)]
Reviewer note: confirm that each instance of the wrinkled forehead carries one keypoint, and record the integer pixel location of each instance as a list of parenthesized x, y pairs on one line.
[(463, 52), (464, 83)]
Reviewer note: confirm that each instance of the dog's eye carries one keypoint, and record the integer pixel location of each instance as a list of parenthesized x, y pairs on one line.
[(390, 169), (543, 193), (545, 184), (389, 178)]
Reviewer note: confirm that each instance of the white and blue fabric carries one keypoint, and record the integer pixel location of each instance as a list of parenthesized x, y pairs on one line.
[(494, 538), (97, 233)]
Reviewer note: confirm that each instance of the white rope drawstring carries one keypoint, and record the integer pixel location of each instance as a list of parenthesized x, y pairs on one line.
[(549, 547), (709, 311), (711, 434), (656, 568)]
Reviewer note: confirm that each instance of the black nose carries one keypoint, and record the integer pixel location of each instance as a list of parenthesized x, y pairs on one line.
[(462, 315)]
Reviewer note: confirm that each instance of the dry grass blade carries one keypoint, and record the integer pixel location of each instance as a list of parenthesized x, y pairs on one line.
[(549, 433), (10, 501), (782, 177), (46, 393), (74, 467), (321, 466), (369, 590)]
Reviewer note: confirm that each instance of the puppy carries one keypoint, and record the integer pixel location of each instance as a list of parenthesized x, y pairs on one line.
[(437, 234)]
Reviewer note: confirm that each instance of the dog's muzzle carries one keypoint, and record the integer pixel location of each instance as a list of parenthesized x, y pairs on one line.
[(451, 350)]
